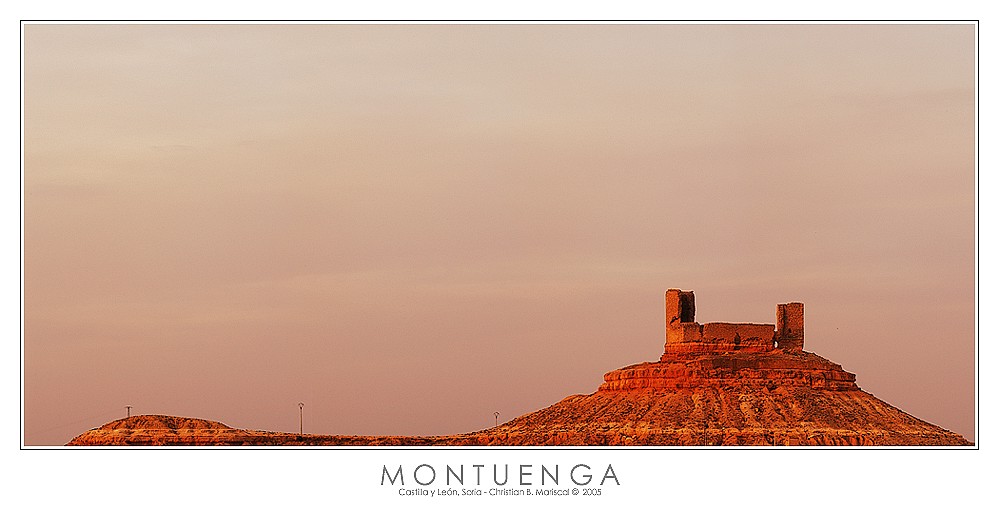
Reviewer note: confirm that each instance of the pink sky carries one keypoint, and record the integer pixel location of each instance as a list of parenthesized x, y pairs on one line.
[(411, 227)]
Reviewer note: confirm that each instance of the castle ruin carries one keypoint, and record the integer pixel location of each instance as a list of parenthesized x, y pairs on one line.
[(686, 336)]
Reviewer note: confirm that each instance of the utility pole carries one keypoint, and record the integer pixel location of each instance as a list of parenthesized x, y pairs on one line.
[(496, 419), (128, 411), (300, 418)]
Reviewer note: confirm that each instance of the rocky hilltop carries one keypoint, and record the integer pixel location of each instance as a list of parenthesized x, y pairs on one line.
[(779, 398), (715, 384)]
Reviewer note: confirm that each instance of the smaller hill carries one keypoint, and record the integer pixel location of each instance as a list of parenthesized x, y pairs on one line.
[(162, 422), (156, 430)]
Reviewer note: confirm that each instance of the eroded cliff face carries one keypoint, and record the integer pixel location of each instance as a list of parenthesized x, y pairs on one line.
[(712, 397), (770, 370), (740, 418)]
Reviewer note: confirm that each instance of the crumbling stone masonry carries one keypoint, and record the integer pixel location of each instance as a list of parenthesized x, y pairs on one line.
[(686, 336), (790, 333)]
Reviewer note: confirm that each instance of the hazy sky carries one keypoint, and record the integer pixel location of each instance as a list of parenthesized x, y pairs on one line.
[(408, 228)]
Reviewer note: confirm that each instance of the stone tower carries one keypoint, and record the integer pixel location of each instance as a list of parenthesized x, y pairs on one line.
[(789, 322), (680, 316)]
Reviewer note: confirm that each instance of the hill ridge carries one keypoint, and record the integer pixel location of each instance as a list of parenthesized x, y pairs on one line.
[(715, 384)]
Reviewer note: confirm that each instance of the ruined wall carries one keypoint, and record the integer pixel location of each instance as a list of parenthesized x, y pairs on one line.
[(738, 333), (790, 322), (694, 339), (686, 336)]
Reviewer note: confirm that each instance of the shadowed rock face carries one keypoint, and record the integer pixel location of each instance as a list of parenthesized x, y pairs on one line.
[(715, 384)]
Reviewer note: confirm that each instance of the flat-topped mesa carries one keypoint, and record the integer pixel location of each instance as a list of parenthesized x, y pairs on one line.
[(685, 336), (726, 354)]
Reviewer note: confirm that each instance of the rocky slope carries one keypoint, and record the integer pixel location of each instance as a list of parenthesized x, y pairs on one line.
[(778, 398)]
